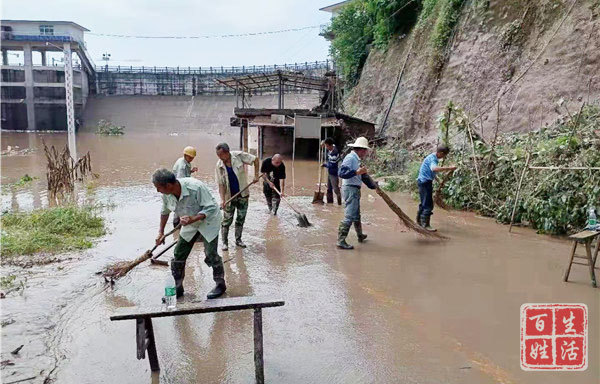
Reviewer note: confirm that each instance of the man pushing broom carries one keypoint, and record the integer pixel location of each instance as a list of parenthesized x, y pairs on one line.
[(199, 214)]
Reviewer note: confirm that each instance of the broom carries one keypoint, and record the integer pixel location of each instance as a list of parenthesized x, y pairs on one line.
[(407, 221), (437, 197), (121, 268), (301, 217)]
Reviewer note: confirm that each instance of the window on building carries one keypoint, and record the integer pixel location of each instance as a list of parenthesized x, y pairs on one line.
[(46, 29)]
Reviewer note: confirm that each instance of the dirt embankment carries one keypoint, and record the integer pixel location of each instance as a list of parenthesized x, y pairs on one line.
[(521, 57)]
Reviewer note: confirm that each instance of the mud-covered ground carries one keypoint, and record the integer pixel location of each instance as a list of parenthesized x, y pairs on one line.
[(397, 309)]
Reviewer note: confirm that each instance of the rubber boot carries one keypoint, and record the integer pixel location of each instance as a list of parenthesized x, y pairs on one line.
[(238, 236), (342, 234), (329, 197), (178, 272), (270, 205), (359, 233), (219, 278), (225, 239), (339, 199), (276, 206), (426, 220), (418, 221)]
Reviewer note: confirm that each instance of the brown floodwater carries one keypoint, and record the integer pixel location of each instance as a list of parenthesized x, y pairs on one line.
[(396, 309)]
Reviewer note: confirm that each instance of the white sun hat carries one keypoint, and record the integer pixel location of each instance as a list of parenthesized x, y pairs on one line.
[(361, 142)]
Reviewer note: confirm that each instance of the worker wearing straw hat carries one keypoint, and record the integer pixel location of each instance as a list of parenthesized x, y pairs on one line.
[(183, 168), (351, 172)]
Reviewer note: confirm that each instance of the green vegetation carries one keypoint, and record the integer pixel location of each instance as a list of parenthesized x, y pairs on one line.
[(372, 23), (50, 230), (552, 201), (105, 127), (441, 16), (23, 181), (364, 23)]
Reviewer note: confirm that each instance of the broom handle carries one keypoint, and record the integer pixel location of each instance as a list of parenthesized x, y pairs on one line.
[(159, 254), (165, 236), (320, 170), (284, 199), (237, 194)]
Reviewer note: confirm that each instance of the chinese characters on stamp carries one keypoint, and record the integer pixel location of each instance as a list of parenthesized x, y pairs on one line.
[(554, 337)]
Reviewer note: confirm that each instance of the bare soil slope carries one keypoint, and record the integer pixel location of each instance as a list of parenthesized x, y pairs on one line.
[(528, 55)]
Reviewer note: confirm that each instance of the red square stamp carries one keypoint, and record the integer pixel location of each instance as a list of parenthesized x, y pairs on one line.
[(554, 337)]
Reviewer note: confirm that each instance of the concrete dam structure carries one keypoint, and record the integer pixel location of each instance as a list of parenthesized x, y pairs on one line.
[(44, 93)]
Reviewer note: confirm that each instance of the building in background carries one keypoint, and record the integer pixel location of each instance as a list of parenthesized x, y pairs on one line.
[(36, 64)]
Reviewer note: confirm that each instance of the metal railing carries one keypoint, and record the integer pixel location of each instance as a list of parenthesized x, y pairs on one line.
[(219, 70)]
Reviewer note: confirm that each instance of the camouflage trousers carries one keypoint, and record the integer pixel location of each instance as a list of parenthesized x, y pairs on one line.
[(239, 204)]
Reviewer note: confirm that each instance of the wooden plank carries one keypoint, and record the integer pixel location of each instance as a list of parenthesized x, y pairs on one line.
[(568, 270), (588, 252), (140, 338), (152, 355), (216, 305), (258, 347), (584, 235)]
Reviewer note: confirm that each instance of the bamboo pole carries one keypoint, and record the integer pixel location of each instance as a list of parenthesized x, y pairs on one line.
[(568, 168), (512, 216)]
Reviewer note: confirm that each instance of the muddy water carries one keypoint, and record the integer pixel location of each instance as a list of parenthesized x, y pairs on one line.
[(397, 309)]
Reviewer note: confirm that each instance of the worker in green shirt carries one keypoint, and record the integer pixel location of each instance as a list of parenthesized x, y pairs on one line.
[(230, 175), (199, 214), (183, 168)]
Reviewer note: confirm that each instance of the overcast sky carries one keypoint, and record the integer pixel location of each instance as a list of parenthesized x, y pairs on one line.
[(189, 18)]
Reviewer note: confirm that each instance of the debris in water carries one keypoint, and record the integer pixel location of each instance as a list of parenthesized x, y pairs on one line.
[(17, 350)]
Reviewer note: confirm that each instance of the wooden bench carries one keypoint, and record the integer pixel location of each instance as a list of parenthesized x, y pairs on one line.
[(585, 237), (145, 333)]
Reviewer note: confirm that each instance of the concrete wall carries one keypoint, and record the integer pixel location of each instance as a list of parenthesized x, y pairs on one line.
[(33, 29)]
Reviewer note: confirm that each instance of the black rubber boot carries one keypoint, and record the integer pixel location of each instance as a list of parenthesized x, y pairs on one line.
[(270, 205), (418, 221), (342, 234), (225, 239), (178, 272), (238, 236), (359, 233), (219, 278), (276, 206), (426, 223), (329, 197)]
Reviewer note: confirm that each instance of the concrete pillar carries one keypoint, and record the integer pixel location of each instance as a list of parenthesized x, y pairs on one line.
[(29, 98), (43, 58), (4, 57), (69, 87)]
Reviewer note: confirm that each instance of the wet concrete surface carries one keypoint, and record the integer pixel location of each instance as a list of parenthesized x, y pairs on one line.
[(397, 309)]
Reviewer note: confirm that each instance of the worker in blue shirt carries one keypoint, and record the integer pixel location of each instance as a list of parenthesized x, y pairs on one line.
[(427, 173), (353, 175), (333, 181)]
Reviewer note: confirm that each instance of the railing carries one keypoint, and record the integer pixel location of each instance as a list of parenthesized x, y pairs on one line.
[(220, 70)]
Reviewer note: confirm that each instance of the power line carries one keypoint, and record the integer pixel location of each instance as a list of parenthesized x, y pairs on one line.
[(245, 34)]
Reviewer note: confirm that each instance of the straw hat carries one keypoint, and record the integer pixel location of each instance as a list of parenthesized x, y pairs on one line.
[(190, 151), (361, 142)]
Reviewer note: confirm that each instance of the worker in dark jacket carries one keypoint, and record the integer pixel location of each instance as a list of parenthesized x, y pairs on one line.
[(333, 180), (353, 174), (273, 171)]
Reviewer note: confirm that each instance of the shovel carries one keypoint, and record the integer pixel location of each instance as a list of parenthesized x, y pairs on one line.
[(318, 196), (302, 219)]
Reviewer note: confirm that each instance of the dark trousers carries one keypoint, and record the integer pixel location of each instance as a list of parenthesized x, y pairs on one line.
[(271, 196), (333, 185), (426, 196)]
